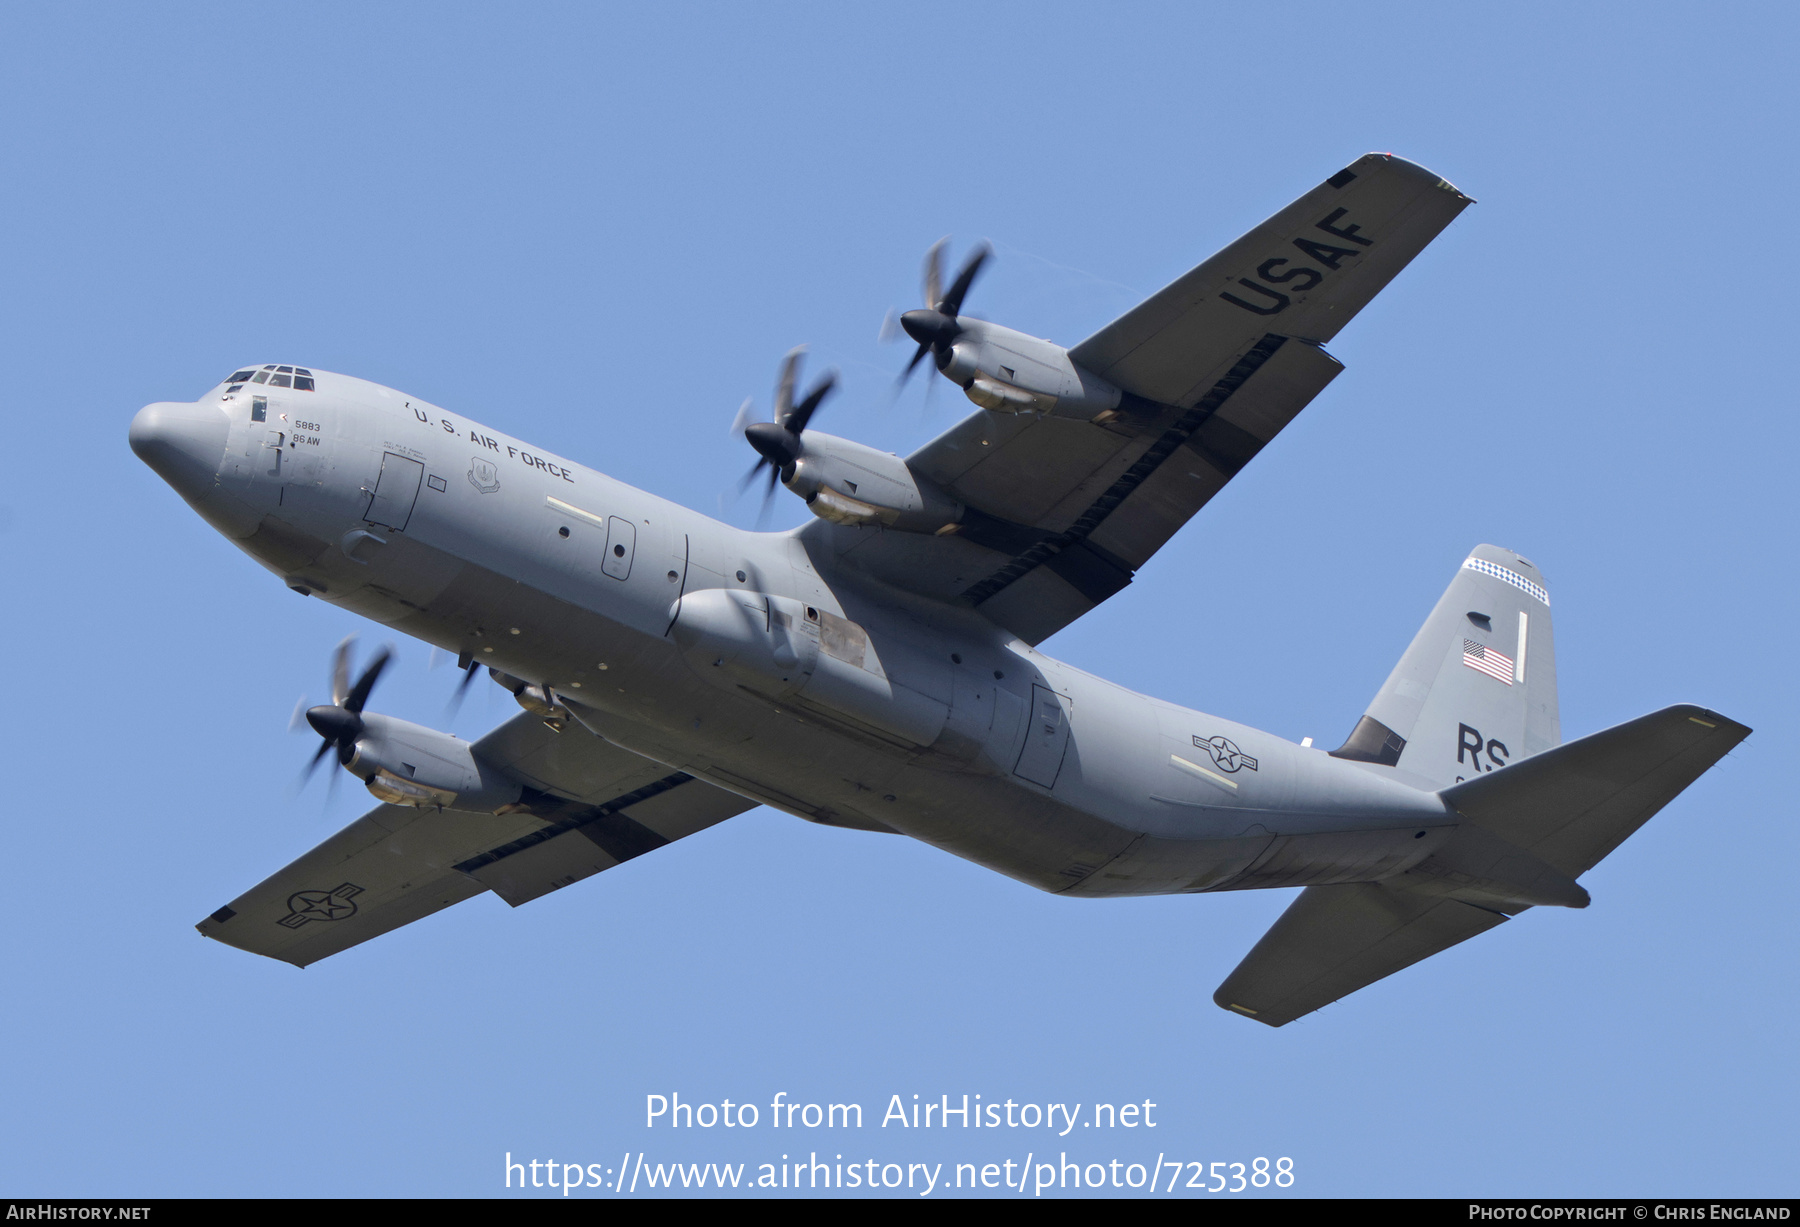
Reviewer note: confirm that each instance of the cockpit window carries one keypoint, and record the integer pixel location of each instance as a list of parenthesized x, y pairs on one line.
[(297, 377)]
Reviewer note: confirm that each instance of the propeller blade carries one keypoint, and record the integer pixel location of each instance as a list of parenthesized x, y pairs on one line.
[(890, 326), (299, 716), (933, 277), (340, 671), (325, 747), (745, 415), (462, 688), (784, 387), (768, 500), (359, 694), (907, 373), (744, 482), (798, 419), (953, 301)]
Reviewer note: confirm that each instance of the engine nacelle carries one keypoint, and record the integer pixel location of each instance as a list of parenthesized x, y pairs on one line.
[(408, 764), (848, 483), (1010, 372)]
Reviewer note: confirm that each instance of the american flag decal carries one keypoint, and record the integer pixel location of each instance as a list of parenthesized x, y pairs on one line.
[(1486, 660)]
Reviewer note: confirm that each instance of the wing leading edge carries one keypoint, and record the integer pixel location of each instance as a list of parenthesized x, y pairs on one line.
[(591, 806)]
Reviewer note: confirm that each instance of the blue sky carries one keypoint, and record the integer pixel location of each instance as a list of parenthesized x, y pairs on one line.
[(599, 228)]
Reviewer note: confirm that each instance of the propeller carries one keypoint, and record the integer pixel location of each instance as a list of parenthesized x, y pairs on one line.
[(777, 442), (341, 723), (935, 325), (470, 667)]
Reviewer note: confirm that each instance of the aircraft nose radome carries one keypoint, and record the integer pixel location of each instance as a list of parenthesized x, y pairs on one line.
[(184, 443)]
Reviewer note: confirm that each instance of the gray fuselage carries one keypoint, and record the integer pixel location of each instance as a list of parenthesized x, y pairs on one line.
[(766, 663)]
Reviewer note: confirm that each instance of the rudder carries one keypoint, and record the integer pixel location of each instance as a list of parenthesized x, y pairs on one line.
[(1476, 689)]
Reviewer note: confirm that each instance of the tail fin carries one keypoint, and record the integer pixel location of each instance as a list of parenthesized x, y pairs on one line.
[(1477, 688)]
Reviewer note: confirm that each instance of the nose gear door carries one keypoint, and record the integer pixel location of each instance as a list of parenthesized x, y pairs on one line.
[(396, 490)]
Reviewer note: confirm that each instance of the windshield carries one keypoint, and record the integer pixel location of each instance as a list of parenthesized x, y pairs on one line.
[(297, 377)]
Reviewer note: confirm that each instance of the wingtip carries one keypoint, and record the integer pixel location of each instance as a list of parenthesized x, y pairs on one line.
[(1707, 718), (1393, 159), (1222, 999)]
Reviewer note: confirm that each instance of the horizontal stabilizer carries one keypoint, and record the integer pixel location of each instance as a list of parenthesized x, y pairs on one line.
[(1532, 828), (1477, 866), (1571, 806), (1333, 940)]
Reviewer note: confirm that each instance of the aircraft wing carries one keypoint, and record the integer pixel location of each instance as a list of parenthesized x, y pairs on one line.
[(593, 806), (1061, 511), (1569, 806)]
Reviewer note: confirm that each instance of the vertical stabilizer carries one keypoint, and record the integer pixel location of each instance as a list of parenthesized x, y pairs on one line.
[(1477, 688)]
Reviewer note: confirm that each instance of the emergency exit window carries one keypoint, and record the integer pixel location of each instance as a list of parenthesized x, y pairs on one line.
[(259, 409)]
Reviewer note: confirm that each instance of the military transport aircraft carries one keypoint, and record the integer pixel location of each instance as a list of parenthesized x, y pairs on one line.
[(877, 668)]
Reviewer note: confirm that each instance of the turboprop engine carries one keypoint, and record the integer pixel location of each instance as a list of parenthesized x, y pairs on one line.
[(998, 368), (849, 483), (400, 762), (408, 764), (841, 481), (1010, 372)]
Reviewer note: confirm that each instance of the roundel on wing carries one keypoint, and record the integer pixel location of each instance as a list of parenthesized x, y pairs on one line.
[(305, 905)]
